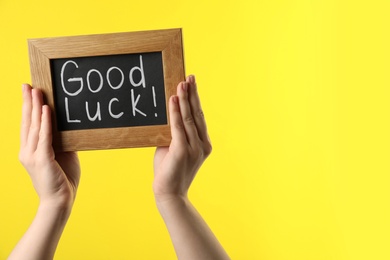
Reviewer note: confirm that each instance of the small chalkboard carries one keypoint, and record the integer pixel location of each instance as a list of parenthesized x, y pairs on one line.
[(110, 90)]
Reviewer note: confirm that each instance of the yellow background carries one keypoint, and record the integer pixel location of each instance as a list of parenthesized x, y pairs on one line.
[(296, 95)]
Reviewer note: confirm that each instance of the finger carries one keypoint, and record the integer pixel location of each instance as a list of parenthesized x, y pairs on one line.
[(177, 126), (45, 133), (26, 114), (196, 109), (186, 114), (36, 115)]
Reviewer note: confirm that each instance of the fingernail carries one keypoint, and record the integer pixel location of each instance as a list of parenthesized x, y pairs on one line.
[(184, 86), (191, 79), (175, 99)]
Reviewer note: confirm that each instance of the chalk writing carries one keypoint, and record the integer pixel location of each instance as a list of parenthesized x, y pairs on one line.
[(109, 91)]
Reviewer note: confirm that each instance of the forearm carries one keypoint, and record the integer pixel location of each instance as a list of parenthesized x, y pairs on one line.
[(190, 235), (41, 239)]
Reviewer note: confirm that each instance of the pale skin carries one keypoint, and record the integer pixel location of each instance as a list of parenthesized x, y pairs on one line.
[(56, 176)]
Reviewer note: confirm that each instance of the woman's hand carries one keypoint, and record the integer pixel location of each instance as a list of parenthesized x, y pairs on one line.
[(55, 176), (176, 166)]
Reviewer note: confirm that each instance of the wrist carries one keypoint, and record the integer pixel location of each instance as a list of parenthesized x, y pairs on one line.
[(171, 202), (170, 198), (59, 207)]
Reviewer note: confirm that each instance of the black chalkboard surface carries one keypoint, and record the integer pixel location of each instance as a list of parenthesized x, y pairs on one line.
[(109, 91)]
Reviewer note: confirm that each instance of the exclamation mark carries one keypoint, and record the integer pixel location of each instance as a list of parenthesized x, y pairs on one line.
[(154, 100)]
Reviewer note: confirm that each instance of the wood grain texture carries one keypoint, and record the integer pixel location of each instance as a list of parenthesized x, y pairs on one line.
[(169, 42)]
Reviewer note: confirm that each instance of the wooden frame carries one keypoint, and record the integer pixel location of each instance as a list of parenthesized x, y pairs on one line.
[(169, 42)]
